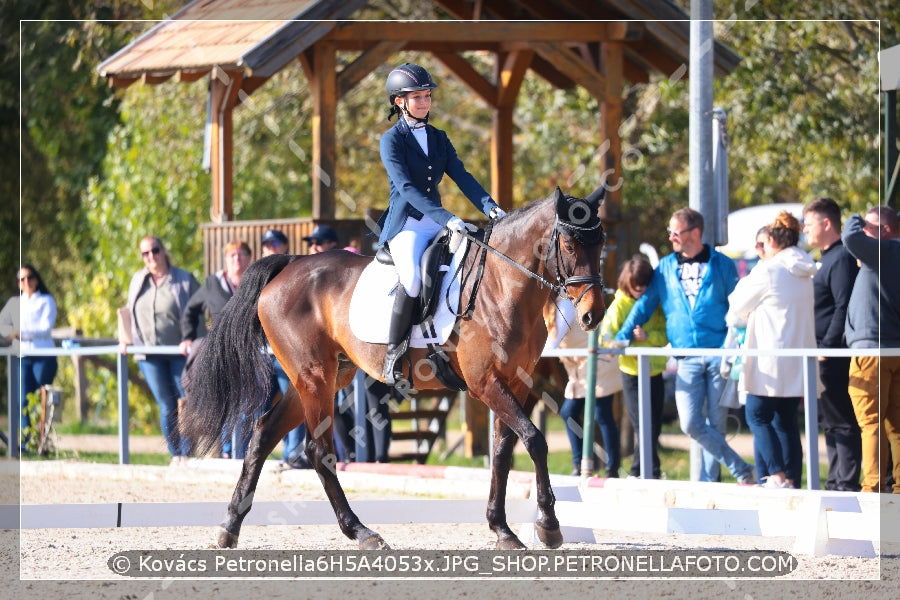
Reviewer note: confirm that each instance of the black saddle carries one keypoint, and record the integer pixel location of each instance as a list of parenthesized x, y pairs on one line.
[(434, 266)]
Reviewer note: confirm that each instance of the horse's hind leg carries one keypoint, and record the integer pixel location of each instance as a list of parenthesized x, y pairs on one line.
[(320, 451), (268, 431)]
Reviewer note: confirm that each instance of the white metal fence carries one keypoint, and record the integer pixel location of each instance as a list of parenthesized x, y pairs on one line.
[(810, 366)]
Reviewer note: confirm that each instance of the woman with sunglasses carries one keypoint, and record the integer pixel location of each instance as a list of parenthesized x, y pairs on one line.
[(29, 318), (157, 298)]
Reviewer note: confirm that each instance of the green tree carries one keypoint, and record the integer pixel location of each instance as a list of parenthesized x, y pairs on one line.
[(101, 167)]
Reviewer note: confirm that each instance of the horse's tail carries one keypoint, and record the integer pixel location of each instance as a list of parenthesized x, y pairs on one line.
[(229, 381)]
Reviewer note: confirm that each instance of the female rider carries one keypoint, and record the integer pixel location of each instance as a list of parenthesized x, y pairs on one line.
[(416, 156)]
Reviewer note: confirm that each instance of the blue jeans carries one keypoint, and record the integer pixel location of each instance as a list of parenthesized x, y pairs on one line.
[(698, 388), (163, 375), (36, 371), (236, 442), (572, 414), (776, 436), (293, 441)]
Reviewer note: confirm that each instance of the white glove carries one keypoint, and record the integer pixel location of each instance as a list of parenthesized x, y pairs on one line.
[(497, 213), (457, 225)]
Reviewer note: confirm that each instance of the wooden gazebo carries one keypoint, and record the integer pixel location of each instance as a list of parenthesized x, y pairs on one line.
[(238, 44)]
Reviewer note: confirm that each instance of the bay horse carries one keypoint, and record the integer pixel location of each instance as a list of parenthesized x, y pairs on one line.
[(300, 305)]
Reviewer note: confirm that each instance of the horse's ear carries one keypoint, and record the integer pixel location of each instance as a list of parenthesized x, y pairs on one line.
[(597, 196), (562, 205)]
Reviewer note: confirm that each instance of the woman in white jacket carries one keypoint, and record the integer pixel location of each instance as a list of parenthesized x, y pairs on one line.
[(776, 300)]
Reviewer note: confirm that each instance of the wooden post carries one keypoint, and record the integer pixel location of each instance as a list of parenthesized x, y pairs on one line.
[(611, 64), (223, 89), (509, 73), (476, 431), (324, 90)]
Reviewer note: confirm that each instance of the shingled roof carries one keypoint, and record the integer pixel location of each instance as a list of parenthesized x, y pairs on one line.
[(262, 36), (258, 36)]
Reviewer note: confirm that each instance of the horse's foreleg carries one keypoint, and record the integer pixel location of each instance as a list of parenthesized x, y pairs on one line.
[(504, 443), (546, 525), (268, 431), (320, 451), (512, 415)]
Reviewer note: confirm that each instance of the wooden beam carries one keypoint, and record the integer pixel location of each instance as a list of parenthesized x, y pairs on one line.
[(651, 55), (250, 85), (223, 89), (154, 79), (469, 76), (324, 88), (572, 66), (364, 64), (184, 76), (481, 31), (550, 74), (121, 82), (458, 9), (502, 156), (511, 75), (305, 59), (634, 72), (611, 60)]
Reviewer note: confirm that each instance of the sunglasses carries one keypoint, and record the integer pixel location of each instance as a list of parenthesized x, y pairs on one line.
[(153, 250), (29, 277), (678, 234)]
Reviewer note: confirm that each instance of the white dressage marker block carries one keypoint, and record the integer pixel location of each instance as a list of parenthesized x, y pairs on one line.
[(836, 525), (568, 500)]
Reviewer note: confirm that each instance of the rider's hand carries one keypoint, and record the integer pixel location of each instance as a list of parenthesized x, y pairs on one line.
[(457, 225), (497, 213)]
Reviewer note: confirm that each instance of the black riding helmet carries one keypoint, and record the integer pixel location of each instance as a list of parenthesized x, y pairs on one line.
[(404, 79)]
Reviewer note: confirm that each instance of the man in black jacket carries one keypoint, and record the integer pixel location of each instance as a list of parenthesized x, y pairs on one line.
[(832, 285)]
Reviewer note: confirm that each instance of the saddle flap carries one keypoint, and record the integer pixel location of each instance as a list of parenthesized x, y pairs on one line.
[(434, 265)]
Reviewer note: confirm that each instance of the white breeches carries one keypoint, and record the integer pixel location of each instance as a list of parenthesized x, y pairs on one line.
[(407, 248)]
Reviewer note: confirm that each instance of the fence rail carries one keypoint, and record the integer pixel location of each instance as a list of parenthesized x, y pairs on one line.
[(643, 354)]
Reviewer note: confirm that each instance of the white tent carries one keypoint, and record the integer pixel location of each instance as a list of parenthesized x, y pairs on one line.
[(744, 223)]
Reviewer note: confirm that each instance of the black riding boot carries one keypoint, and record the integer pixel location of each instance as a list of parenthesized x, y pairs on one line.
[(398, 336)]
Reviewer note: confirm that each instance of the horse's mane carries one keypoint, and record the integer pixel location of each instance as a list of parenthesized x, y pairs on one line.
[(516, 218)]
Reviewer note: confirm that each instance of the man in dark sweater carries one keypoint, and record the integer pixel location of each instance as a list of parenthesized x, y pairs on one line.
[(873, 321), (832, 285)]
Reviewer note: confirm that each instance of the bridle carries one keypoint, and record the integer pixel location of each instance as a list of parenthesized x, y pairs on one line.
[(563, 279)]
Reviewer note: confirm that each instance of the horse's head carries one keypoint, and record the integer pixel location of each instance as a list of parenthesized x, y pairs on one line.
[(580, 238)]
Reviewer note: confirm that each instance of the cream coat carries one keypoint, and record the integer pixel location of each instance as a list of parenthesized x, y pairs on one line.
[(561, 335), (776, 299)]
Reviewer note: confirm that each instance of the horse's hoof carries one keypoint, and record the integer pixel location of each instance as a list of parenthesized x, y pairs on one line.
[(226, 539), (510, 543), (551, 538), (373, 542)]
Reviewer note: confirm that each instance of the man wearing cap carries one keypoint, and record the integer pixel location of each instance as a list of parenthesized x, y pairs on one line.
[(322, 238), (274, 242)]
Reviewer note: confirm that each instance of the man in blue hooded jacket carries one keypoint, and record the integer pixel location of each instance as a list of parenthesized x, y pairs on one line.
[(692, 284)]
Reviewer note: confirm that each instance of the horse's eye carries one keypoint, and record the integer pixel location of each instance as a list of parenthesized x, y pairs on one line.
[(568, 246)]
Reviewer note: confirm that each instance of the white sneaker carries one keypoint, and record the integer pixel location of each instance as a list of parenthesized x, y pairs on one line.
[(747, 478), (772, 484)]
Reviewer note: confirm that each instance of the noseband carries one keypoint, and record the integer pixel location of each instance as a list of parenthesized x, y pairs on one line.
[(563, 279)]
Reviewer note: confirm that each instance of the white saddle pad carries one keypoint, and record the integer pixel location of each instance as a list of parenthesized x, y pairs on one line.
[(372, 301)]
